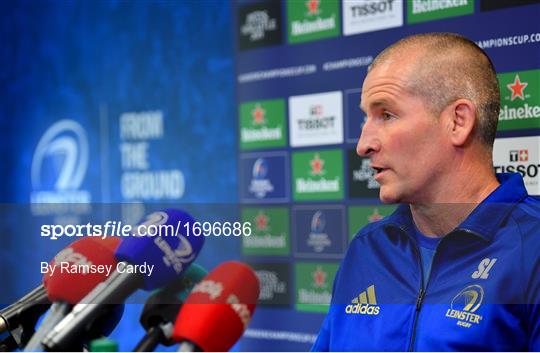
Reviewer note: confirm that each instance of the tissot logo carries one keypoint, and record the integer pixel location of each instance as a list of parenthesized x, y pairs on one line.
[(259, 25), (361, 16), (316, 119), (519, 155)]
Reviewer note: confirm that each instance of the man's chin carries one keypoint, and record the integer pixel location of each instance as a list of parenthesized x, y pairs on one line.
[(388, 197)]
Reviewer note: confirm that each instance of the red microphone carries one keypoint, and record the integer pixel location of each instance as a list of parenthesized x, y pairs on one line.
[(77, 270), (218, 310), (71, 284)]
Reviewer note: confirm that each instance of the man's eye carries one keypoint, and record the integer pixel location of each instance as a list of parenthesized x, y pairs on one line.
[(388, 116)]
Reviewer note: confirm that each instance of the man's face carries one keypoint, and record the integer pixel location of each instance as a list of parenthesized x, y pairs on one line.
[(406, 143)]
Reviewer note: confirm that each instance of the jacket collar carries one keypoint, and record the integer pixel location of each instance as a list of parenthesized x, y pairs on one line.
[(486, 218)]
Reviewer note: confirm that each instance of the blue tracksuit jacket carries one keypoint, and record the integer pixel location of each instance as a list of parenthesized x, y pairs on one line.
[(483, 292)]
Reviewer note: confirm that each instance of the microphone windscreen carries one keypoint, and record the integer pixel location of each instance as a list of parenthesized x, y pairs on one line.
[(78, 269), (171, 252), (219, 308), (164, 304)]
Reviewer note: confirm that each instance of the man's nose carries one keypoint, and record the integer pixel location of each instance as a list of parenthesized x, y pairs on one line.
[(369, 142)]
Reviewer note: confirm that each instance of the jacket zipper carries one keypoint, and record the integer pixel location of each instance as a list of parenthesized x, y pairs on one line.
[(421, 293)]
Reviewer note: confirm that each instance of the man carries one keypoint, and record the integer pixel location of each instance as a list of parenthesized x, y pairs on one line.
[(457, 266)]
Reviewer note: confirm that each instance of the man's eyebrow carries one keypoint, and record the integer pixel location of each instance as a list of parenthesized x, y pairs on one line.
[(375, 104)]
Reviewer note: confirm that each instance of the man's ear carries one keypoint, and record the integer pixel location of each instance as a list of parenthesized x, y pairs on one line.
[(461, 119)]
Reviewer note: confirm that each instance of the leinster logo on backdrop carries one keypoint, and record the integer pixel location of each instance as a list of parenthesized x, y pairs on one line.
[(260, 184), (59, 165)]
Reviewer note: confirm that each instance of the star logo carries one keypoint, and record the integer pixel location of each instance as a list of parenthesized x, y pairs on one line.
[(258, 115), (517, 88), (313, 7), (523, 155), (319, 277), (317, 165), (261, 221), (375, 216)]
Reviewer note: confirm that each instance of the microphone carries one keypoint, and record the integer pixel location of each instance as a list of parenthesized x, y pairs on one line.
[(218, 310), (162, 307), (90, 259), (19, 319), (167, 255)]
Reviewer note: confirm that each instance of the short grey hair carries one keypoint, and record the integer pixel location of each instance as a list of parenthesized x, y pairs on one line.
[(451, 67)]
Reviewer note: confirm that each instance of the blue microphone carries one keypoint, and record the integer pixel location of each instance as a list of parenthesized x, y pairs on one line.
[(166, 256)]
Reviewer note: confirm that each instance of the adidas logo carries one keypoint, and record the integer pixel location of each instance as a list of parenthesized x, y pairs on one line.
[(365, 303)]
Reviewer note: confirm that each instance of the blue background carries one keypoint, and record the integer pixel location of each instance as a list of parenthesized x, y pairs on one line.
[(91, 61)]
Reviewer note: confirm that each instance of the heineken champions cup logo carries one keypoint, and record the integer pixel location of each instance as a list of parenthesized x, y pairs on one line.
[(520, 100)]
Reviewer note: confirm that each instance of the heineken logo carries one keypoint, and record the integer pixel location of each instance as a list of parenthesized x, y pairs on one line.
[(305, 27), (258, 115), (422, 6), (261, 222), (375, 216), (427, 10), (317, 165), (262, 124), (313, 7), (312, 20), (319, 278), (270, 231), (313, 289), (520, 100), (516, 88), (318, 175)]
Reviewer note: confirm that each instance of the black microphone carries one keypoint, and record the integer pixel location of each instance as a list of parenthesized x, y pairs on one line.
[(162, 307), (19, 319)]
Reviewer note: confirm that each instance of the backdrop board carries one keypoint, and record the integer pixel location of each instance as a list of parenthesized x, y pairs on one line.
[(300, 65)]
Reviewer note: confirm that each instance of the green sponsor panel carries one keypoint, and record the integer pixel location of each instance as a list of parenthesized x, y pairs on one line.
[(360, 216), (317, 175), (429, 10), (312, 20), (270, 231), (263, 124), (520, 100), (314, 286)]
